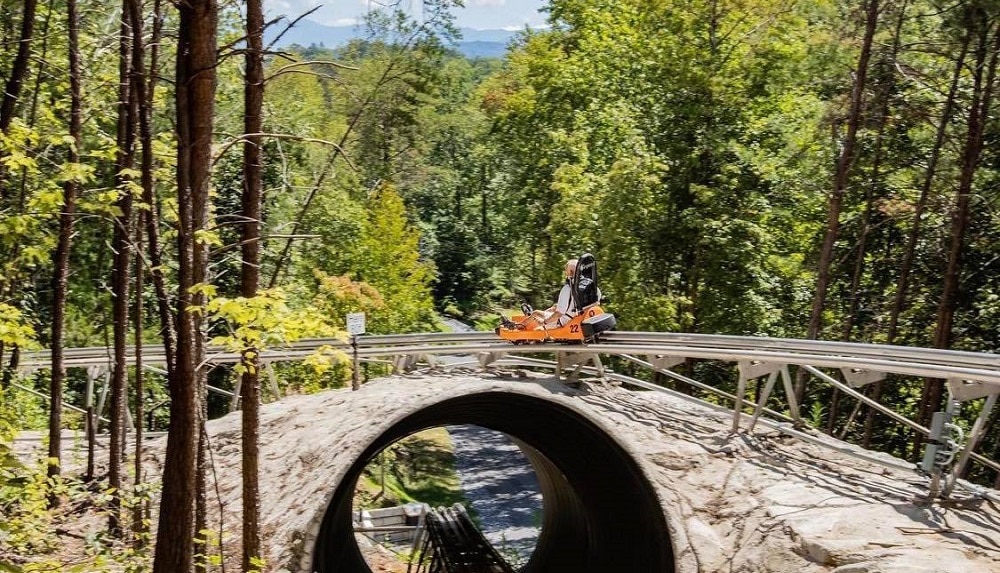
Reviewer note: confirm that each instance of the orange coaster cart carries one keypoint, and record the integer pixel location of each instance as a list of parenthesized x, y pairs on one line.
[(586, 326)]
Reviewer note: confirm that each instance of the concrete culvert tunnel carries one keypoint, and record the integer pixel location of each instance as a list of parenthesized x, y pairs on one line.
[(600, 513)]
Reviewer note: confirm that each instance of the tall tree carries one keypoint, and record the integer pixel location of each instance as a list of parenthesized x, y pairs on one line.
[(984, 76), (915, 231), (195, 99), (168, 332), (60, 259), (121, 245), (927, 182), (142, 84), (8, 103), (840, 179), (253, 174), (885, 92), (12, 89)]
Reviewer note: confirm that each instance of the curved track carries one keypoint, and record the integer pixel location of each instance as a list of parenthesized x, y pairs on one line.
[(969, 375)]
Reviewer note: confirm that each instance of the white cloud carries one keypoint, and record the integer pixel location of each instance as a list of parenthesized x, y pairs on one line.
[(488, 2), (343, 22)]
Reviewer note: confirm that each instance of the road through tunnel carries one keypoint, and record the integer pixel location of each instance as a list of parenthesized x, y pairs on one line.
[(600, 513)]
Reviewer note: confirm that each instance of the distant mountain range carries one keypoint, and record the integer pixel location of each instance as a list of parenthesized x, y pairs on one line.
[(474, 43)]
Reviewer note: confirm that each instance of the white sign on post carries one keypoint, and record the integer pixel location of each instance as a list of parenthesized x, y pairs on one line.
[(356, 323)]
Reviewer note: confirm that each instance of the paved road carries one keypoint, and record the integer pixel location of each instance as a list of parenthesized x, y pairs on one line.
[(501, 487)]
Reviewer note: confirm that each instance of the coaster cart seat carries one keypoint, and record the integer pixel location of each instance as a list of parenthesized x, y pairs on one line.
[(586, 326)]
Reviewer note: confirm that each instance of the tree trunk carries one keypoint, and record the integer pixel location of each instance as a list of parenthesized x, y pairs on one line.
[(121, 246), (60, 260), (843, 168), (870, 199), (253, 185), (195, 95), (138, 510), (168, 331), (36, 90), (18, 71), (978, 112), (909, 253), (902, 282), (144, 102), (201, 490)]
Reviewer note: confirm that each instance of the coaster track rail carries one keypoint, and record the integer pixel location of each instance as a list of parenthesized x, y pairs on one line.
[(968, 375)]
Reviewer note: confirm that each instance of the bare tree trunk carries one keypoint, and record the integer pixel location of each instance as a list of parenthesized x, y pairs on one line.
[(36, 90), (121, 246), (60, 260), (876, 175), (195, 95), (138, 511), (201, 491), (253, 185), (12, 89), (909, 253), (836, 200), (902, 282), (168, 331), (144, 102), (986, 63)]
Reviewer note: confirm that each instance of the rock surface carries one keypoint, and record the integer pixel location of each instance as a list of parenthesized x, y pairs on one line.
[(754, 502)]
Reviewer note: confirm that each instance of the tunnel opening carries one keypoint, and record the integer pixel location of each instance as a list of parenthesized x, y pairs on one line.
[(599, 513), (484, 470)]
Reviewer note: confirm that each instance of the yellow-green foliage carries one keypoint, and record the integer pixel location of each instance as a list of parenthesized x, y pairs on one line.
[(265, 321), (15, 330), (28, 525), (388, 259), (25, 527)]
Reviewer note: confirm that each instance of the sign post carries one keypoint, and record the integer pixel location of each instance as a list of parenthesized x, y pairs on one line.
[(355, 326)]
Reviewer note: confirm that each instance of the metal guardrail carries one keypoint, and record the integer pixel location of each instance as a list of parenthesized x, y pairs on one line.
[(969, 375), (970, 366)]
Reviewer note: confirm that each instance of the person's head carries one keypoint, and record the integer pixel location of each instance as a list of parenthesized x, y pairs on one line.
[(570, 268)]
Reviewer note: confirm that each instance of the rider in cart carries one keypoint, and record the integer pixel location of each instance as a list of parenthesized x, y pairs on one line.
[(576, 314)]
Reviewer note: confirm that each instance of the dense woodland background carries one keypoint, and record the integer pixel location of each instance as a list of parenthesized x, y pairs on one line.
[(798, 168)]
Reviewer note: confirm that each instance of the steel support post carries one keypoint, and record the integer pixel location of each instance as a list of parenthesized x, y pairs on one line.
[(741, 388), (102, 399), (272, 380), (762, 399), (750, 370), (793, 402), (978, 428), (356, 367)]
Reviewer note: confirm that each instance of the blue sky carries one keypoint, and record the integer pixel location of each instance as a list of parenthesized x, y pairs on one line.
[(480, 14)]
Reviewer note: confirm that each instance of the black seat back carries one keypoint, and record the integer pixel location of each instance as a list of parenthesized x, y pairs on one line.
[(585, 291)]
